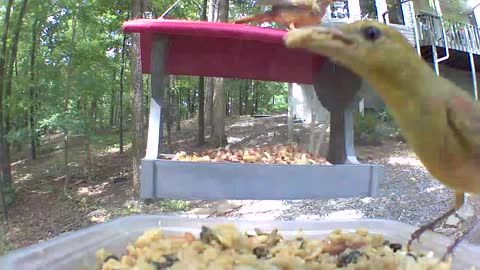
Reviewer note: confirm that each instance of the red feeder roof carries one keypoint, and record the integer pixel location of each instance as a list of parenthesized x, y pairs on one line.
[(214, 49)]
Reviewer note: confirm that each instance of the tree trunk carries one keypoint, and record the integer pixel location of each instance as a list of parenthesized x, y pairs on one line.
[(290, 113), (209, 103), (33, 132), (147, 91), (3, 201), (112, 101), (90, 118), (168, 111), (218, 138), (94, 115), (193, 101), (180, 101), (254, 86), (7, 173), (248, 85), (120, 105), (67, 92), (189, 101), (175, 101), (240, 100), (256, 100), (201, 114), (138, 143), (201, 90), (227, 105)]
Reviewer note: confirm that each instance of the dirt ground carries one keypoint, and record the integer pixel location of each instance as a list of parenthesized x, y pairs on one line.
[(42, 210)]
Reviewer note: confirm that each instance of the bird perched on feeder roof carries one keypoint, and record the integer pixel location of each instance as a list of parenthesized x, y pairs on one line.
[(439, 120), (290, 13)]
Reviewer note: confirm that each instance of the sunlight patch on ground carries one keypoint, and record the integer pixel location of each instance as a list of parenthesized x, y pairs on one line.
[(18, 162), (262, 210), (235, 139), (309, 217), (260, 216), (25, 177), (434, 189), (59, 178), (40, 192), (261, 206), (344, 214), (116, 149), (99, 216), (367, 200), (243, 124), (95, 190), (411, 161)]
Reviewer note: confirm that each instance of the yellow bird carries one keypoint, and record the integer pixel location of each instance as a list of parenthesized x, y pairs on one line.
[(439, 120)]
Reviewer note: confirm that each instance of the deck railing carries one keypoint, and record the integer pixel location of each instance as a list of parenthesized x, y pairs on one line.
[(459, 36)]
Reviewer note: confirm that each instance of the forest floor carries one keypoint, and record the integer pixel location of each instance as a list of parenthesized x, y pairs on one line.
[(42, 210)]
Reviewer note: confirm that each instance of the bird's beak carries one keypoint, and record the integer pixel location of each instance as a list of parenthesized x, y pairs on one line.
[(318, 39)]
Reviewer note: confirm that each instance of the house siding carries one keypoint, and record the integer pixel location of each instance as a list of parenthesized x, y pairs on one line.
[(408, 29)]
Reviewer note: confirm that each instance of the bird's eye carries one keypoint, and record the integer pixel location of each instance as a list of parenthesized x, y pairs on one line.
[(371, 33)]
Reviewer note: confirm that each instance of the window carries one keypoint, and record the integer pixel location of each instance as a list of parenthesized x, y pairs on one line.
[(395, 12), (368, 9), (339, 10)]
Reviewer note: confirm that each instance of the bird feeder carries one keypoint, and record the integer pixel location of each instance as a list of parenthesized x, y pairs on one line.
[(216, 49)]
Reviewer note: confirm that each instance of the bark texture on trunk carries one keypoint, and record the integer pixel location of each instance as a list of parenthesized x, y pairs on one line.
[(138, 142)]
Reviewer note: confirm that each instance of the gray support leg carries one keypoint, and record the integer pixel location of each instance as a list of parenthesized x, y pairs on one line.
[(155, 130), (336, 88)]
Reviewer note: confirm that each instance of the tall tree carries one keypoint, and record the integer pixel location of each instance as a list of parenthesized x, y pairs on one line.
[(219, 10), (209, 84), (4, 162), (201, 90), (33, 129), (112, 100), (122, 77), (67, 93), (138, 142), (7, 173)]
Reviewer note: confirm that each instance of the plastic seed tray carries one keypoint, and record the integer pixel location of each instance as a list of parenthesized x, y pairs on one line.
[(76, 250)]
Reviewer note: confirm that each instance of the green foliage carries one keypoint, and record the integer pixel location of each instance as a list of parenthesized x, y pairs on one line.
[(173, 205), (10, 193), (20, 135), (366, 128), (375, 126), (5, 245)]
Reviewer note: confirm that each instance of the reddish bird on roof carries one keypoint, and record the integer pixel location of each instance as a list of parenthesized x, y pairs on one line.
[(290, 13)]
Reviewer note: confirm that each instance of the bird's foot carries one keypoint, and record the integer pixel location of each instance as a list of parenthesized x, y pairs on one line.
[(416, 235), (459, 239)]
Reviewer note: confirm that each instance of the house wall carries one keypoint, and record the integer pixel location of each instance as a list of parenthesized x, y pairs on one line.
[(303, 102), (381, 5), (476, 12), (407, 30), (424, 5)]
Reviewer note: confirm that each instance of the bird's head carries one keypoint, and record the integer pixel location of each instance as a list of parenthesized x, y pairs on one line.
[(362, 46)]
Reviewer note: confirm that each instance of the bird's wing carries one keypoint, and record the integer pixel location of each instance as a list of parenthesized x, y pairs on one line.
[(464, 118)]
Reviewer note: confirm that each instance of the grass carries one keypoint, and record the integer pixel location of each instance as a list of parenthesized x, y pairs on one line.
[(110, 142)]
